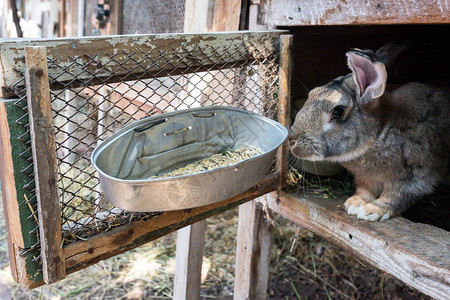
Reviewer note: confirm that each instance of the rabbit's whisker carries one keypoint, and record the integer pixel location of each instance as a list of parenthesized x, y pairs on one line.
[(317, 174)]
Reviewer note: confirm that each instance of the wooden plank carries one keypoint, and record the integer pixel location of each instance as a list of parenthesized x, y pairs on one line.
[(189, 257), (45, 163), (284, 104), (354, 12), (108, 57), (417, 254), (81, 254), (9, 196), (20, 226), (254, 240)]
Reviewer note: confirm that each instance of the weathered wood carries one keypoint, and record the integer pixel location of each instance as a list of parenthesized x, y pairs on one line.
[(109, 57), (189, 257), (354, 12), (81, 254), (45, 163), (17, 213), (417, 254), (284, 104), (254, 240), (9, 196)]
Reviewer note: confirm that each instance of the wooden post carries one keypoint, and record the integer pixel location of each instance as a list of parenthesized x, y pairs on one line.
[(284, 104), (45, 164), (190, 241), (254, 236), (252, 253)]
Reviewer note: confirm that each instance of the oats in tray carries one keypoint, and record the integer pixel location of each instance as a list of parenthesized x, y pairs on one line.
[(227, 158)]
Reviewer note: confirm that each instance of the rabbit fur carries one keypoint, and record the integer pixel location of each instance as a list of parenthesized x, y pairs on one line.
[(396, 143)]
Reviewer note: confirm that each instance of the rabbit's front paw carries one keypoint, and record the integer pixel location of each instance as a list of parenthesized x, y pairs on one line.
[(354, 204), (374, 212)]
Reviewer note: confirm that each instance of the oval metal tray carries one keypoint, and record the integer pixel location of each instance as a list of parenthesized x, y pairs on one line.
[(156, 145)]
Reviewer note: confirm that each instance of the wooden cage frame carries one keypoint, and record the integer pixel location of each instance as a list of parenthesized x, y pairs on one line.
[(386, 245), (29, 57)]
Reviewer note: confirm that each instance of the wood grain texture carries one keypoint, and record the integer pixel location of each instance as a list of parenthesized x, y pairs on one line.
[(19, 223), (189, 258), (417, 254), (254, 239), (212, 15), (81, 254), (9, 196), (354, 12), (45, 163), (284, 104), (104, 56)]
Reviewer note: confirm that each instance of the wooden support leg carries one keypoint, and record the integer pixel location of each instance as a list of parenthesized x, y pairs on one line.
[(254, 239), (188, 271)]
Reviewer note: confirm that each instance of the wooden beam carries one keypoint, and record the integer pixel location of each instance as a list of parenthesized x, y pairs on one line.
[(109, 57), (189, 257), (417, 254), (284, 104), (81, 254), (354, 12), (45, 164), (254, 240)]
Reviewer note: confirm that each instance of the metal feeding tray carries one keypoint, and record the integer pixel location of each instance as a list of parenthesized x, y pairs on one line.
[(127, 160)]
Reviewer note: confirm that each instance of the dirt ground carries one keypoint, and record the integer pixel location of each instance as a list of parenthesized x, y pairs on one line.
[(303, 266)]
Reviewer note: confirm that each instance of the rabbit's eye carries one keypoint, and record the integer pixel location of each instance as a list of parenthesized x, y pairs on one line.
[(337, 113)]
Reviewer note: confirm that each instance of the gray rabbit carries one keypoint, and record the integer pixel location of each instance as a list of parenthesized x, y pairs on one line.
[(396, 143)]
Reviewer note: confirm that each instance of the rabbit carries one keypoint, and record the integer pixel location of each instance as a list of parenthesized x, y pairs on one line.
[(396, 143)]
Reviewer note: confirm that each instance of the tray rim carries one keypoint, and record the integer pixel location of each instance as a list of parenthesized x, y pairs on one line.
[(145, 120)]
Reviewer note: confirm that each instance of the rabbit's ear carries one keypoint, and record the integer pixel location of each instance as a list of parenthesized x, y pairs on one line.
[(368, 73), (389, 52)]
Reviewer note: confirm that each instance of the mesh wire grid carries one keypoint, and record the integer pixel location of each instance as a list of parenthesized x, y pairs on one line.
[(88, 113)]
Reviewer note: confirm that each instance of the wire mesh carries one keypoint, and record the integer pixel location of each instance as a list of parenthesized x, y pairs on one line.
[(86, 115), (26, 191), (89, 106), (156, 16)]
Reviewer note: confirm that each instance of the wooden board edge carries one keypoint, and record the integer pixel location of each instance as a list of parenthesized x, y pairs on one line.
[(9, 196), (81, 254), (45, 163), (24, 270), (63, 51), (354, 235), (284, 104), (357, 12)]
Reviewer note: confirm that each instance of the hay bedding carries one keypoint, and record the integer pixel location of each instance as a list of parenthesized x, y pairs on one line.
[(227, 158)]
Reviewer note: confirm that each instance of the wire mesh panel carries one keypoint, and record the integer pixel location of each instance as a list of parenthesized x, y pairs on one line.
[(86, 115), (99, 85), (157, 16)]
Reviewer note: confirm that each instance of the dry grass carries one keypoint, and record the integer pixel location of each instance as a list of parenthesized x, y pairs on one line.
[(303, 266)]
